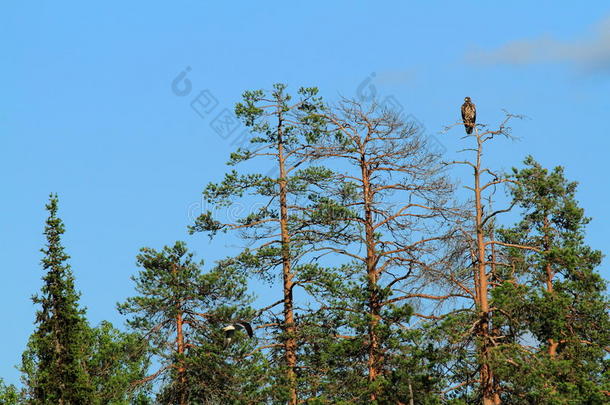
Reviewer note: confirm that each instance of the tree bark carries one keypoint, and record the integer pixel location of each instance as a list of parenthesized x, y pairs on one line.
[(490, 397), (180, 346), (550, 274), (290, 344), (374, 361)]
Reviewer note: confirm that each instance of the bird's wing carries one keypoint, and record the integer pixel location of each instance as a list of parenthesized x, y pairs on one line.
[(474, 113), (246, 325), (463, 109)]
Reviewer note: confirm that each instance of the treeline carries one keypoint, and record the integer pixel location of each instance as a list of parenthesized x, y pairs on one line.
[(391, 288)]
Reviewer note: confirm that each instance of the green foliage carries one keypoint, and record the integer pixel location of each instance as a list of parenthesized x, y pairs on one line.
[(55, 361), (116, 360), (357, 264), (9, 395), (554, 312), (171, 286), (67, 361), (280, 223)]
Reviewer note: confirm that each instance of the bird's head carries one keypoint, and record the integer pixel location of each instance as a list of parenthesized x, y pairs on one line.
[(467, 99)]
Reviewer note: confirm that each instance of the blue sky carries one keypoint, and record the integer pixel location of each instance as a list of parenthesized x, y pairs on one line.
[(87, 110)]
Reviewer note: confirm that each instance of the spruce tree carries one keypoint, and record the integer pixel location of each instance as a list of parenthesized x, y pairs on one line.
[(55, 362)]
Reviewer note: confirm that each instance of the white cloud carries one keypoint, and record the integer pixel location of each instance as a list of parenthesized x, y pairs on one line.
[(591, 52), (396, 77)]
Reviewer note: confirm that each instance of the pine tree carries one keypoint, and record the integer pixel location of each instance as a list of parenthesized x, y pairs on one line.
[(274, 228), (468, 329), (387, 206), (181, 311), (115, 361), (55, 362), (559, 323)]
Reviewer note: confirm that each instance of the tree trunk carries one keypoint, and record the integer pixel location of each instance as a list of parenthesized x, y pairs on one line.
[(553, 345), (411, 399), (549, 283), (290, 345), (488, 388), (374, 361), (180, 347)]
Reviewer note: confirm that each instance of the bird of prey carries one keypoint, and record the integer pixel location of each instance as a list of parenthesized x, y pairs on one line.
[(469, 115), (230, 330)]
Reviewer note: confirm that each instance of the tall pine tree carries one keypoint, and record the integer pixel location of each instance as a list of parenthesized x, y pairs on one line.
[(468, 328), (387, 212), (276, 226)]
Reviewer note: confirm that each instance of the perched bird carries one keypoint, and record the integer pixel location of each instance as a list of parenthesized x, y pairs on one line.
[(230, 331), (469, 115)]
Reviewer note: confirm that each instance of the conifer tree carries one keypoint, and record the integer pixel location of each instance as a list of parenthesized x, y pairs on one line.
[(55, 362), (388, 201), (468, 329), (554, 308), (9, 395), (182, 311), (274, 228), (115, 361)]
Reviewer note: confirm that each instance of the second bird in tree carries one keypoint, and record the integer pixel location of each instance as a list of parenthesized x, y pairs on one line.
[(230, 331)]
